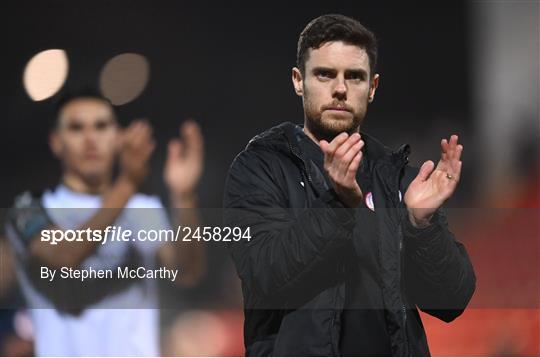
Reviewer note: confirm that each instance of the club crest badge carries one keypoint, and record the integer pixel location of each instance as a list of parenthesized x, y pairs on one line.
[(369, 201)]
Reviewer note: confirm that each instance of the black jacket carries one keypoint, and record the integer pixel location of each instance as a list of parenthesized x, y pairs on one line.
[(293, 278)]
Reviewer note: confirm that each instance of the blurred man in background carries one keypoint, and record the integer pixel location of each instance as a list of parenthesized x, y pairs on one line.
[(100, 317), (347, 239)]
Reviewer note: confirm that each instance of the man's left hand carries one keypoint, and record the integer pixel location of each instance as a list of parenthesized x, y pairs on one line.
[(431, 188)]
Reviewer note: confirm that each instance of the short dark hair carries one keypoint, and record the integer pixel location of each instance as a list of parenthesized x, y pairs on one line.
[(335, 27), (68, 97)]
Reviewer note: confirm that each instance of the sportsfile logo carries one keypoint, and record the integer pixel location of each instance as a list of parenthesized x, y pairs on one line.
[(119, 234)]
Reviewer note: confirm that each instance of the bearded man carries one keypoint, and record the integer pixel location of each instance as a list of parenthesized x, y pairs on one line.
[(347, 240)]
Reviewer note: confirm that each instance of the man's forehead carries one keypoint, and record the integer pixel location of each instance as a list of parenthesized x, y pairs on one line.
[(338, 54), (86, 109)]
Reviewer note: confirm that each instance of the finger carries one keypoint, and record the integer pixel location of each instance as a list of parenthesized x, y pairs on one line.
[(191, 133), (345, 161), (338, 162), (353, 167), (453, 140), (345, 146), (457, 173), (425, 170), (458, 152), (444, 149), (324, 146), (452, 144), (444, 145), (174, 150), (336, 142), (135, 126), (331, 148), (136, 132), (190, 128), (143, 128), (128, 133)]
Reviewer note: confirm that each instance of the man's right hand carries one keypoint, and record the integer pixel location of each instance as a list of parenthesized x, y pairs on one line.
[(136, 146), (342, 158)]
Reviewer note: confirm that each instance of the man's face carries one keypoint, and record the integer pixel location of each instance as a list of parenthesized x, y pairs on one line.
[(86, 138), (336, 88)]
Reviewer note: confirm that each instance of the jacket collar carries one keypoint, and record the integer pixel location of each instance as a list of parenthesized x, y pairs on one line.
[(283, 138)]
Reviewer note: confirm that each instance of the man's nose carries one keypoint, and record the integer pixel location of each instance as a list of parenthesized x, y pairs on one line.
[(91, 137), (340, 89)]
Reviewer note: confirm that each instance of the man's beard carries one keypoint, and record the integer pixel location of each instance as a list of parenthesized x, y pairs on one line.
[(329, 129)]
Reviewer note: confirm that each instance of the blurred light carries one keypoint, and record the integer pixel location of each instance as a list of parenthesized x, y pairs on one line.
[(45, 74), (124, 77), (198, 333)]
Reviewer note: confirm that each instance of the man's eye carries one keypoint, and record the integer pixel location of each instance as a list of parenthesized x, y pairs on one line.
[(324, 74), (102, 125), (75, 127), (355, 76)]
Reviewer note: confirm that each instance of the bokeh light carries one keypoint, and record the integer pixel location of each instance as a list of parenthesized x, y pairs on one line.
[(124, 77), (45, 74)]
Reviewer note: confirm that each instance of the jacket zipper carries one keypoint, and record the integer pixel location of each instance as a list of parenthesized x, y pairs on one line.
[(334, 345), (400, 204), (304, 166), (403, 308)]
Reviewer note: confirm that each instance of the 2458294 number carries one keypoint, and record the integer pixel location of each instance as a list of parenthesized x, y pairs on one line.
[(215, 233)]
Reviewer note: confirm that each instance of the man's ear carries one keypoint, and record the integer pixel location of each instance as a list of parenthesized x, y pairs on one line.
[(54, 144), (373, 87), (298, 82)]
